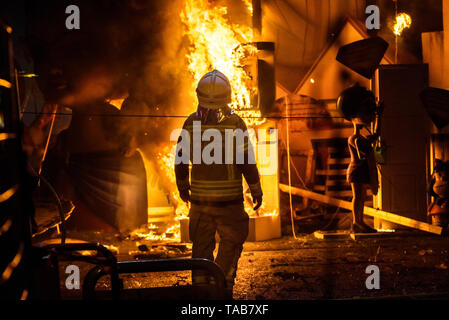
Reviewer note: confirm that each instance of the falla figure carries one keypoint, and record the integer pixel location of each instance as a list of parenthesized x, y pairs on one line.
[(359, 106)]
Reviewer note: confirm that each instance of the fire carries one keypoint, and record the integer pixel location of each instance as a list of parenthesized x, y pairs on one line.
[(249, 6), (170, 230), (216, 43), (171, 233), (386, 230), (116, 102), (403, 21), (166, 162), (261, 212)]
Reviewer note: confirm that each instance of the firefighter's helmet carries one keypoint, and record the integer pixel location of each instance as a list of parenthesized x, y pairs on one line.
[(354, 100), (214, 90)]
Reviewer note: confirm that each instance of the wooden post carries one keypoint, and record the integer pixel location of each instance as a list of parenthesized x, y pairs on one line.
[(257, 18), (388, 216)]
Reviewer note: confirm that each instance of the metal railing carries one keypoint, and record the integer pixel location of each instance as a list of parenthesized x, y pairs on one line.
[(165, 265)]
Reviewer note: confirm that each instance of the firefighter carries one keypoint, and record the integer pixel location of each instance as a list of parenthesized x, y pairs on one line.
[(215, 190)]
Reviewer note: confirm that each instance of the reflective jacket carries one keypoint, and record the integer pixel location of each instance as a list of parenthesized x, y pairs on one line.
[(218, 183)]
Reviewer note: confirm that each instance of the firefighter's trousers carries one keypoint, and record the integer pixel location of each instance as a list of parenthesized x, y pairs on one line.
[(231, 223)]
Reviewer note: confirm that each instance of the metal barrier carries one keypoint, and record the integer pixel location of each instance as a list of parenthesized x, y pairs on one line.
[(143, 266)]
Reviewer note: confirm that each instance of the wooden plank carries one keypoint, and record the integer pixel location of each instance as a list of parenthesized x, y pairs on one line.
[(47, 215), (338, 160), (319, 188), (377, 235), (329, 235), (388, 216)]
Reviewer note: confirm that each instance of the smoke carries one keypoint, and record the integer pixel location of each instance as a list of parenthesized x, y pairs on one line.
[(166, 85), (125, 48)]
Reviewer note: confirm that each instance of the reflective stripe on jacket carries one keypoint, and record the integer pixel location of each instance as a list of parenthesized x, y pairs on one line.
[(219, 183)]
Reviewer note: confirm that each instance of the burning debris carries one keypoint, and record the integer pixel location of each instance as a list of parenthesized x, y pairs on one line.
[(158, 251), (153, 232), (214, 43)]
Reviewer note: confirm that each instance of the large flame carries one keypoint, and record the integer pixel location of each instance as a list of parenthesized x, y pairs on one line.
[(403, 21), (216, 43), (166, 162)]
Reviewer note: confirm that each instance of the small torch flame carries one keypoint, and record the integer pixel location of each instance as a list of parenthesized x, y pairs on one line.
[(215, 43), (403, 21)]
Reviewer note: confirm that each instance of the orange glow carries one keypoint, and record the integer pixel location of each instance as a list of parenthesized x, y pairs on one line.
[(261, 212), (166, 162), (249, 6), (214, 43)]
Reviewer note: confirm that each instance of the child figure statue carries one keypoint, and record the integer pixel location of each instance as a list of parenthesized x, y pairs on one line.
[(358, 105)]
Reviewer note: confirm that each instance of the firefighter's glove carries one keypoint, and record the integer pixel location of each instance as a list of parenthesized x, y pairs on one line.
[(185, 195), (258, 201)]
